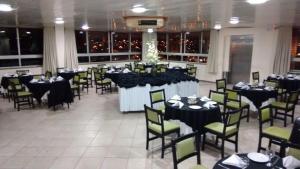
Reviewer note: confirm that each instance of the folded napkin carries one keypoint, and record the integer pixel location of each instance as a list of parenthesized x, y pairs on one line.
[(205, 99), (33, 81), (290, 162), (297, 77), (261, 84), (110, 71), (290, 75), (59, 78), (126, 70), (16, 75), (246, 87), (269, 88), (234, 160), (208, 105), (179, 104), (273, 75), (192, 97), (176, 97)]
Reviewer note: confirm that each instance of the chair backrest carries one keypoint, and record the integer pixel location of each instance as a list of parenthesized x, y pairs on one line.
[(97, 76), (37, 77), (128, 66), (157, 96), (154, 116), (265, 115), (76, 79), (95, 69), (255, 77), (192, 71), (141, 66), (137, 70), (186, 147), (82, 74), (163, 70), (271, 83), (189, 65), (48, 74), (232, 119), (219, 97), (14, 81), (221, 84), (233, 95), (22, 72), (89, 71), (293, 97), (294, 141), (103, 70)]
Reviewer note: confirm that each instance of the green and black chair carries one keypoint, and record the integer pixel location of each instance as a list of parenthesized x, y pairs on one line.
[(276, 135), (221, 85), (102, 83), (234, 101), (224, 131), (255, 77), (186, 147), (137, 70), (283, 108), (83, 81), (89, 76), (275, 84), (158, 98), (48, 74), (37, 77), (76, 86), (18, 87), (294, 142), (221, 99), (189, 65), (192, 71), (160, 128), (21, 98), (128, 66), (141, 67)]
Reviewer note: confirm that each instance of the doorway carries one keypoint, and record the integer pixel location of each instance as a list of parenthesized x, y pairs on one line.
[(240, 56)]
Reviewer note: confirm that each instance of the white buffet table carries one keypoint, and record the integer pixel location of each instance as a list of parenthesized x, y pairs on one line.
[(133, 99)]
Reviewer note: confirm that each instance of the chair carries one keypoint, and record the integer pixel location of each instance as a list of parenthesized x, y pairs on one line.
[(128, 66), (224, 130), (221, 85), (189, 65), (220, 98), (76, 86), (22, 72), (186, 147), (137, 70), (18, 87), (141, 67), (286, 107), (276, 135), (234, 101), (48, 74), (37, 77), (192, 71), (275, 84), (21, 98), (156, 125), (89, 76), (294, 141), (255, 77), (83, 81), (158, 97), (102, 83)]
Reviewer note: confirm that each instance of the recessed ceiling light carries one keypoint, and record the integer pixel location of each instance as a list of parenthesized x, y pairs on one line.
[(187, 33), (138, 9), (28, 32), (150, 30), (217, 26), (2, 31), (5, 8), (59, 22), (85, 27), (59, 19), (234, 20), (255, 2)]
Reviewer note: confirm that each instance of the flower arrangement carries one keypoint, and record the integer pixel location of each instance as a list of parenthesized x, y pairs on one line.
[(152, 53)]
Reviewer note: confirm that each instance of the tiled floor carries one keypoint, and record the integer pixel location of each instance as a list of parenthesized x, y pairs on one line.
[(92, 134)]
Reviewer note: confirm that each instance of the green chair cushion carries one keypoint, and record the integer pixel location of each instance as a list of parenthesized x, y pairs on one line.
[(278, 132), (281, 105), (74, 86), (24, 93), (18, 87), (236, 104), (82, 81), (294, 152), (219, 127), (198, 167), (168, 126), (104, 81)]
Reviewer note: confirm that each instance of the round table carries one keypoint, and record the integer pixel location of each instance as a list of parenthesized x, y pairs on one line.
[(257, 95), (67, 74), (290, 84), (181, 70), (252, 164), (195, 118)]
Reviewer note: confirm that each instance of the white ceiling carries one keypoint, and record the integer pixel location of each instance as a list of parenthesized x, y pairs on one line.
[(183, 15)]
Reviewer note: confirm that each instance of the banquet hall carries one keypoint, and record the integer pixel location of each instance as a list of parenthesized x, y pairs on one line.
[(173, 84)]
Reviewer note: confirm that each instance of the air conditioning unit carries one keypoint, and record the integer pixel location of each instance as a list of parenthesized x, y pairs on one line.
[(145, 22)]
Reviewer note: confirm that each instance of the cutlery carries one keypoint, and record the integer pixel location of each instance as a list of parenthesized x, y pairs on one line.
[(275, 161), (223, 166)]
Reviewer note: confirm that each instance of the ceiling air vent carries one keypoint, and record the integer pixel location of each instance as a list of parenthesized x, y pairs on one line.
[(144, 22)]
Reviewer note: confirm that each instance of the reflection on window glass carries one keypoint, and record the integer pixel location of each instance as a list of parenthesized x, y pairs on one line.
[(80, 41), (136, 42), (98, 42), (31, 41), (100, 58), (161, 42), (136, 57), (202, 59), (8, 41), (163, 57), (9, 62), (205, 42), (192, 42), (83, 59), (31, 61), (174, 42), (120, 42), (175, 57), (190, 58), (119, 57)]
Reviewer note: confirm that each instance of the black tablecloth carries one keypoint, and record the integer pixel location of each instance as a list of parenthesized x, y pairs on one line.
[(288, 84), (195, 118), (129, 80), (257, 97), (67, 74), (252, 164), (24, 79), (182, 70), (39, 89)]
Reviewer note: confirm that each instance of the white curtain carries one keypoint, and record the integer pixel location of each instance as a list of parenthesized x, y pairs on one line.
[(283, 52), (148, 37), (212, 62), (71, 60), (50, 51)]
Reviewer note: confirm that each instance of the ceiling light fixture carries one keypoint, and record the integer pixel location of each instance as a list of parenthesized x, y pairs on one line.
[(217, 26), (59, 20), (255, 2), (85, 27), (150, 30), (187, 33), (2, 31), (5, 8), (234, 20), (28, 32), (138, 9)]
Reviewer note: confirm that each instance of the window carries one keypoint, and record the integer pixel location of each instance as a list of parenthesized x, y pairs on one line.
[(192, 42), (9, 62), (205, 42), (190, 58), (98, 42), (80, 41), (31, 41), (202, 59), (161, 42), (83, 59), (119, 57), (136, 57), (175, 57), (174, 42), (120, 42), (163, 57), (100, 58), (31, 61), (295, 50), (136, 42), (8, 41)]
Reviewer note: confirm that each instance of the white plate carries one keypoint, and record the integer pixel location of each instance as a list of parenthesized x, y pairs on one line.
[(195, 107), (258, 157), (173, 101), (212, 102)]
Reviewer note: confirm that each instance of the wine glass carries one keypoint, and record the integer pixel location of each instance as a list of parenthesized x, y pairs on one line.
[(270, 154)]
